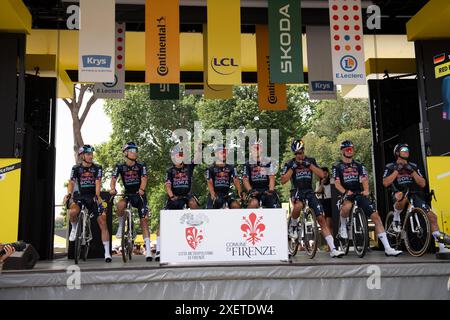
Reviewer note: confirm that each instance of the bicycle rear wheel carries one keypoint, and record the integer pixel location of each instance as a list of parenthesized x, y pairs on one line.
[(130, 237), (360, 232), (310, 232), (77, 251), (393, 237), (124, 240), (292, 243), (417, 232), (344, 244)]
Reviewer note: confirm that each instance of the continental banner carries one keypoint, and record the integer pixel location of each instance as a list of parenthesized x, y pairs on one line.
[(224, 42), (162, 41), (271, 96), (9, 199), (285, 41), (347, 42), (212, 91), (164, 91), (115, 89), (96, 60)]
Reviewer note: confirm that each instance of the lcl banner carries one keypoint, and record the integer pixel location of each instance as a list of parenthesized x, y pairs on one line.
[(224, 42), (115, 89), (347, 42), (164, 91), (227, 235), (320, 74), (271, 96), (162, 41), (96, 61), (285, 41)]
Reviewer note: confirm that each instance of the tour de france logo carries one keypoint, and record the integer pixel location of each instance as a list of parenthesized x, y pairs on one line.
[(349, 63), (253, 228), (194, 234)]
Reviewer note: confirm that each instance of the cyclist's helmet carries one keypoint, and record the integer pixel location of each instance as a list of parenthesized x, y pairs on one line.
[(346, 144), (398, 147), (86, 149), (297, 145), (130, 145), (220, 147), (176, 150)]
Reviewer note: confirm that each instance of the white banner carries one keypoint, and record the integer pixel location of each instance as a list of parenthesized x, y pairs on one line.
[(96, 59), (115, 89), (227, 235), (347, 42), (320, 67)]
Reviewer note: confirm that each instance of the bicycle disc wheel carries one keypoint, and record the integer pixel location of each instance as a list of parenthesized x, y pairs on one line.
[(360, 233), (124, 240), (292, 243), (310, 232), (344, 244), (417, 232), (77, 250), (393, 237)]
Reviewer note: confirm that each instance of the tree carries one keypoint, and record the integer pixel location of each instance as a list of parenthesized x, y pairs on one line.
[(75, 106)]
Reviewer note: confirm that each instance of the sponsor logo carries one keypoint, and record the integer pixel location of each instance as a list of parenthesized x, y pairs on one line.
[(272, 98), (96, 61), (162, 54), (253, 228), (194, 235), (285, 40), (442, 70), (326, 86), (349, 63), (111, 84), (439, 58), (219, 64)]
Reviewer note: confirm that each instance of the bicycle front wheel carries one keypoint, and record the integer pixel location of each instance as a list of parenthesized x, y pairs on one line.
[(417, 232), (393, 237), (292, 242), (360, 232), (310, 232), (344, 243), (124, 240), (78, 239)]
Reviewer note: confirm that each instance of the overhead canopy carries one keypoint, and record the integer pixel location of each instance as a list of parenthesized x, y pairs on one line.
[(431, 22)]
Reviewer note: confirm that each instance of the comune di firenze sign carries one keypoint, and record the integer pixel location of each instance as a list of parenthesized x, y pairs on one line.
[(228, 235)]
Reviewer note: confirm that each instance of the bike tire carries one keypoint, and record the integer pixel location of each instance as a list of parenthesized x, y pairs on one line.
[(310, 249), (77, 251), (417, 246), (130, 237), (344, 244), (124, 240), (292, 243), (394, 238), (360, 232)]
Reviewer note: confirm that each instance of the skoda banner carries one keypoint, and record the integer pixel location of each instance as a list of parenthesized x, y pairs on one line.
[(347, 42), (228, 235)]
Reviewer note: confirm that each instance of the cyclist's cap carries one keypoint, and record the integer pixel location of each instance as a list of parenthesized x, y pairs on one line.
[(220, 147)]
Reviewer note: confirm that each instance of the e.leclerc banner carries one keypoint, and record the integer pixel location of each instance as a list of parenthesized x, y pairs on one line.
[(271, 96), (224, 42), (162, 41), (285, 41), (228, 235), (347, 42), (96, 61)]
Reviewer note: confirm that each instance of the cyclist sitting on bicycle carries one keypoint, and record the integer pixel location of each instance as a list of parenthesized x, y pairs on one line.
[(402, 175), (300, 171), (349, 175), (219, 176), (259, 179), (134, 178), (88, 176)]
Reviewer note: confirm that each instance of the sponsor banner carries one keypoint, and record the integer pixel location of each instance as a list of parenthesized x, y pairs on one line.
[(439, 179), (320, 74), (10, 171), (115, 89), (212, 91), (96, 61), (162, 41), (238, 235), (164, 91), (224, 42), (347, 42), (271, 96), (285, 41)]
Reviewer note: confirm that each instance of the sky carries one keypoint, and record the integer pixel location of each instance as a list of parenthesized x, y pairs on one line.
[(96, 129)]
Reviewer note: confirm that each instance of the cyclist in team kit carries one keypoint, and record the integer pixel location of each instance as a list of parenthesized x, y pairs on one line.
[(87, 175), (134, 178), (299, 171), (402, 175), (349, 175)]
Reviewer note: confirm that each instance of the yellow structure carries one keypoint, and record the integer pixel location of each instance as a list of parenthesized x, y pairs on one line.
[(431, 22), (9, 199)]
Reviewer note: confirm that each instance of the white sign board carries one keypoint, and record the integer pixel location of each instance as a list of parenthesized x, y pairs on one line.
[(227, 235)]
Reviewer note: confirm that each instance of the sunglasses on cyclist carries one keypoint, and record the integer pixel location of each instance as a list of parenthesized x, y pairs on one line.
[(132, 150), (348, 149), (404, 149)]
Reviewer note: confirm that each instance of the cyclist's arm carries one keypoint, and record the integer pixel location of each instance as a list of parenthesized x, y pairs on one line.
[(70, 186), (246, 182), (98, 187), (211, 188), (339, 186), (237, 184), (365, 183), (421, 182), (387, 181), (169, 190), (112, 185), (317, 171), (287, 174), (271, 183), (144, 180)]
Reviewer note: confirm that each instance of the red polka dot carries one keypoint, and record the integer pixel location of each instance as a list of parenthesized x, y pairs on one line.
[(336, 27), (357, 28), (119, 57), (119, 48), (345, 8), (358, 48), (335, 17), (346, 28), (336, 37), (335, 7), (119, 66), (356, 18), (358, 38), (346, 18), (120, 30), (356, 8), (337, 48), (120, 39)]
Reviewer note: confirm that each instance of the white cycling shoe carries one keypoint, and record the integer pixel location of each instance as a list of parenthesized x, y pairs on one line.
[(335, 253), (343, 233), (391, 252)]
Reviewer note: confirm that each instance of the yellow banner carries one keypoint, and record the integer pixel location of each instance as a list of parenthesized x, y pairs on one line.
[(9, 199), (442, 70), (271, 96), (212, 91), (162, 41), (439, 179), (224, 42)]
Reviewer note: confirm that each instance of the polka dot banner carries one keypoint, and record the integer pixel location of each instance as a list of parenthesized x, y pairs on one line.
[(347, 41)]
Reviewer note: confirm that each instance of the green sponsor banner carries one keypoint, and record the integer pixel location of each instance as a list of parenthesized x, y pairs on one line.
[(164, 91), (285, 41)]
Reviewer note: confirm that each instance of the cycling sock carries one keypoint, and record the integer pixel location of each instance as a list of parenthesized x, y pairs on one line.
[(121, 220), (106, 245), (343, 222), (436, 234), (330, 242), (157, 244), (382, 236), (148, 251), (294, 222), (74, 225), (397, 214)]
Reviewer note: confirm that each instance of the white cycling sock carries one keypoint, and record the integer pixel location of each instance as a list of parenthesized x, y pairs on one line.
[(397, 214), (343, 222), (121, 221), (74, 225), (148, 251), (157, 244), (294, 222), (106, 246), (436, 234), (330, 242), (382, 236)]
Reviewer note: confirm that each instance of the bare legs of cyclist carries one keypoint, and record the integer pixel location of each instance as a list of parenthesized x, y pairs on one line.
[(334, 253), (253, 203), (295, 214), (74, 210), (101, 220), (120, 206)]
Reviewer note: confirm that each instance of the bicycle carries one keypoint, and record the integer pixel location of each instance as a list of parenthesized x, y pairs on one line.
[(357, 228), (308, 232), (415, 229)]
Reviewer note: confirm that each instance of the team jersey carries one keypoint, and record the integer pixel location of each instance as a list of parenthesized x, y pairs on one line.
[(221, 177), (404, 178), (349, 175), (180, 179), (258, 174), (302, 177), (130, 175), (86, 177)]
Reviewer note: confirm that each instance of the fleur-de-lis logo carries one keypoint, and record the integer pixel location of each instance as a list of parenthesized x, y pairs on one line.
[(193, 237), (253, 228)]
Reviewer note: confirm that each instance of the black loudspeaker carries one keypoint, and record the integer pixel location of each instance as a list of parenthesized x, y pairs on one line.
[(22, 260)]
